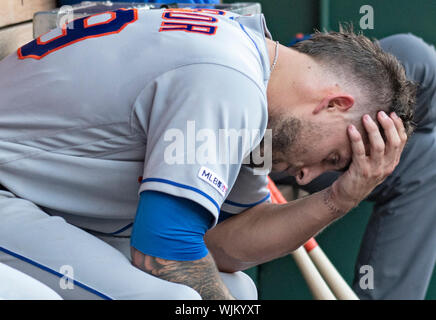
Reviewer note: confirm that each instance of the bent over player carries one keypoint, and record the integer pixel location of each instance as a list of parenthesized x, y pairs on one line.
[(107, 139), (399, 241)]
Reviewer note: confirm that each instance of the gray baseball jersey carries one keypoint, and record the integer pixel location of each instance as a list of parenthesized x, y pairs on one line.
[(89, 108)]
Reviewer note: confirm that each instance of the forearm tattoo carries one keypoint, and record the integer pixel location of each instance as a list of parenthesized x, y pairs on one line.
[(201, 275), (327, 199)]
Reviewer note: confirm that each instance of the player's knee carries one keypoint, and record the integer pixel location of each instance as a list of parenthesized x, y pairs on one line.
[(241, 286)]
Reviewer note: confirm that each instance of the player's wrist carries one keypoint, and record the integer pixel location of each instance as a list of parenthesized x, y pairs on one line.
[(338, 204)]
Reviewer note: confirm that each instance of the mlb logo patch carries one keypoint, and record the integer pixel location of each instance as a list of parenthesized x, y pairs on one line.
[(213, 179)]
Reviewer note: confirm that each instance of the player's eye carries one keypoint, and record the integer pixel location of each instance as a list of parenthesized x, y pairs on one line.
[(334, 159)]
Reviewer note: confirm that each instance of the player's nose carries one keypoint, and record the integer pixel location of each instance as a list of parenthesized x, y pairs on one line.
[(306, 174)]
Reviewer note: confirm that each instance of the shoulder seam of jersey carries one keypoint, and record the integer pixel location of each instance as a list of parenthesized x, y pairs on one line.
[(131, 125)]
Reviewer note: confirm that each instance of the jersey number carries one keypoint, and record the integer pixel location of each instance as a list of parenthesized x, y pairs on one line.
[(98, 25)]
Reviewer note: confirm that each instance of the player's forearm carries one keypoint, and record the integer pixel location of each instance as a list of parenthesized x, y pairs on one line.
[(269, 231), (201, 275)]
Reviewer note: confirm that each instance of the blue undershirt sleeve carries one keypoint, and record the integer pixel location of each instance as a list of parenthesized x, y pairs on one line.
[(170, 227)]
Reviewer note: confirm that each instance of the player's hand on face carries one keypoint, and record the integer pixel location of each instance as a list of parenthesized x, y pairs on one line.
[(368, 171)]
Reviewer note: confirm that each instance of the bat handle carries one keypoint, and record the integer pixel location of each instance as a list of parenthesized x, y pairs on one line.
[(316, 268), (330, 274), (314, 280)]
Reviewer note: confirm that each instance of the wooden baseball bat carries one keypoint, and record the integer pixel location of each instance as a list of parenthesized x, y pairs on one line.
[(329, 273), (317, 286), (337, 284)]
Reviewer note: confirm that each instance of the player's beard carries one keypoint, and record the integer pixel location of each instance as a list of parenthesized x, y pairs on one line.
[(291, 139), (285, 133), (294, 141)]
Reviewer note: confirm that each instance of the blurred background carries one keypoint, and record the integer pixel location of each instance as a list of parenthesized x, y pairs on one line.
[(280, 279)]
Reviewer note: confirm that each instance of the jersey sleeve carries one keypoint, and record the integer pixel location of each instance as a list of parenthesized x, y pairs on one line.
[(200, 124), (250, 189)]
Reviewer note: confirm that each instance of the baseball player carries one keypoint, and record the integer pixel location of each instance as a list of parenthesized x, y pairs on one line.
[(107, 139), (399, 241)]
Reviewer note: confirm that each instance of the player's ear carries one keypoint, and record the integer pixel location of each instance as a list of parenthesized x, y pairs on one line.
[(337, 102)]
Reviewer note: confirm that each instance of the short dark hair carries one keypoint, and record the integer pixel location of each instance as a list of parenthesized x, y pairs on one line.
[(378, 74)]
